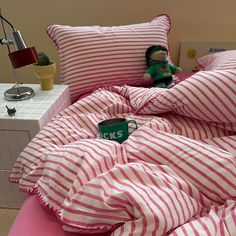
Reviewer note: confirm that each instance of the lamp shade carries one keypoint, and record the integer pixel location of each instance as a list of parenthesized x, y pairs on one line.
[(23, 57)]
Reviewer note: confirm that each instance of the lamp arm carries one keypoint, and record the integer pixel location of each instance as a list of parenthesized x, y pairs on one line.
[(8, 22), (8, 42), (18, 40), (5, 40)]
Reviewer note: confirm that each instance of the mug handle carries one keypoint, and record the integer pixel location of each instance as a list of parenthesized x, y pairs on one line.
[(134, 122)]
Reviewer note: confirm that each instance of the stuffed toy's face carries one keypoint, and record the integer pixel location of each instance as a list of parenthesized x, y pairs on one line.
[(160, 55)]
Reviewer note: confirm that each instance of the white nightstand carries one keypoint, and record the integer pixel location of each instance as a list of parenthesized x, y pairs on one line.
[(16, 131)]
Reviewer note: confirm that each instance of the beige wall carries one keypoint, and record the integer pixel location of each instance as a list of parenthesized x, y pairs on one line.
[(197, 20)]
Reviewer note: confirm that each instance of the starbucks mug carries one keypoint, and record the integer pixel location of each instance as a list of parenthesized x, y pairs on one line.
[(116, 129)]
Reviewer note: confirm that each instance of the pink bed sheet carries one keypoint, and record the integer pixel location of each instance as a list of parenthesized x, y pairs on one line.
[(35, 220), (174, 175)]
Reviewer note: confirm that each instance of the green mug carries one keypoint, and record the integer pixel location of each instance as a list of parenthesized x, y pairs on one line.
[(116, 129)]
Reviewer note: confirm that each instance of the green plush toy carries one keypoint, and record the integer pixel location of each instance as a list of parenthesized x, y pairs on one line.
[(159, 69)]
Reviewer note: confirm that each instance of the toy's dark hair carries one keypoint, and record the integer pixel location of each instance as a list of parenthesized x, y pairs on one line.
[(151, 49)]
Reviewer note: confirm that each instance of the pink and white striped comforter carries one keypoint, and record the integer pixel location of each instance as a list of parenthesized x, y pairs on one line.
[(175, 175)]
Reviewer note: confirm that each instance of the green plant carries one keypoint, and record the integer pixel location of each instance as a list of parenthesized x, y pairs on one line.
[(43, 59)]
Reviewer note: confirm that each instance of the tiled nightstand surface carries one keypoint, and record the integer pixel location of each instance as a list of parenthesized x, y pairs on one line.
[(16, 131)]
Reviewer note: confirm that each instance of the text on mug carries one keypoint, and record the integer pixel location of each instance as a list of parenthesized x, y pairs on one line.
[(113, 135)]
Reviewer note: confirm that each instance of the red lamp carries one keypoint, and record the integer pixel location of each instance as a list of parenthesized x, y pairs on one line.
[(21, 57)]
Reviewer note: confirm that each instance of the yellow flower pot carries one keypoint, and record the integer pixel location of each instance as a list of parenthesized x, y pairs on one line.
[(46, 75)]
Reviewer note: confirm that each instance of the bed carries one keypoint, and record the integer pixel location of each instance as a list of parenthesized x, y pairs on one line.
[(174, 175)]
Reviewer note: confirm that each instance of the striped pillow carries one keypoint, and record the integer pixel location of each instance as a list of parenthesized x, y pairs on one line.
[(95, 56), (217, 61)]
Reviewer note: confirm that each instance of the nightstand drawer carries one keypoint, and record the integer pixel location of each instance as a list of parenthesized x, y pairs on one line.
[(10, 196), (11, 145)]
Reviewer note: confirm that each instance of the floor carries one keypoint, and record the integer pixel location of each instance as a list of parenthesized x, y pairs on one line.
[(7, 217)]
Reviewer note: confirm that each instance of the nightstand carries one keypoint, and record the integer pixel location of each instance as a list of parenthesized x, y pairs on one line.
[(17, 131)]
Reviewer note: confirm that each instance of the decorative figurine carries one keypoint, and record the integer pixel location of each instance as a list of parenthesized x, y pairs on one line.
[(11, 111), (159, 69)]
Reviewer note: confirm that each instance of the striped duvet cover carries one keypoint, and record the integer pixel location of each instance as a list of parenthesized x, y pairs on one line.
[(174, 175)]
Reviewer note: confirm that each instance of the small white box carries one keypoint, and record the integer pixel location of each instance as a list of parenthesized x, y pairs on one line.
[(191, 50)]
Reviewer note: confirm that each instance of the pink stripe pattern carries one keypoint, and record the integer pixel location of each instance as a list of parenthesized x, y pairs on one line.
[(218, 61), (95, 56), (174, 175)]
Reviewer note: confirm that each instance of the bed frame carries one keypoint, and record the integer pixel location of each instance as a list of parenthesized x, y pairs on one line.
[(35, 220)]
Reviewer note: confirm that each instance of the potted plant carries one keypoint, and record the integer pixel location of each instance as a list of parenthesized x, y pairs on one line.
[(45, 70)]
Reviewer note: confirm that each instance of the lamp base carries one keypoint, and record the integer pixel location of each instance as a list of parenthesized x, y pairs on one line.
[(17, 93)]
